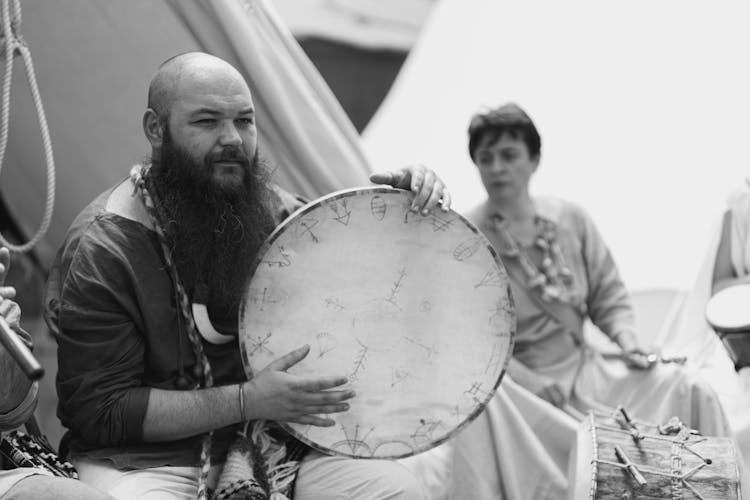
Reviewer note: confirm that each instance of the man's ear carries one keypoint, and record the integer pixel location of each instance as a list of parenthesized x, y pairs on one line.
[(152, 127)]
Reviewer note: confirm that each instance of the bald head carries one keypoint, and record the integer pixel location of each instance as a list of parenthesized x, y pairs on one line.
[(181, 73), (202, 103)]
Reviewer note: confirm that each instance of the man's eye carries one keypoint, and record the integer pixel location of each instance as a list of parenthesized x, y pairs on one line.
[(205, 121), (245, 121)]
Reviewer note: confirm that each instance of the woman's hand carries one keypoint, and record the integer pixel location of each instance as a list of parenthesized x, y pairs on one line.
[(634, 355), (429, 190), (552, 392)]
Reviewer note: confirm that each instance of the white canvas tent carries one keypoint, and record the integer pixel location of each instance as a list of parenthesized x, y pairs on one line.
[(643, 108)]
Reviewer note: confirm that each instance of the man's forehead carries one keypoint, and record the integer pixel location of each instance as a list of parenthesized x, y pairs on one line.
[(220, 94)]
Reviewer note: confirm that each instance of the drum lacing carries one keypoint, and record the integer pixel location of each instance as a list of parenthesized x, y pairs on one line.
[(679, 443)]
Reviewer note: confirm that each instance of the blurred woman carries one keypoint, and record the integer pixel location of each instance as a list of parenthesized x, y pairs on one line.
[(562, 274)]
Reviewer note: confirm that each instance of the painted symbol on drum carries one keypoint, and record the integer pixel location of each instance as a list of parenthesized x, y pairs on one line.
[(359, 360), (280, 258), (438, 223), (501, 313), (396, 287), (428, 350), (491, 278), (425, 305), (353, 441), (457, 413), (334, 303), (400, 375), (266, 297), (306, 226), (341, 211), (326, 343), (378, 207), (425, 432), (467, 249), (259, 344), (476, 392)]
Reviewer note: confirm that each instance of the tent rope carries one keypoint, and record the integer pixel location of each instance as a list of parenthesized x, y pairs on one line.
[(15, 45)]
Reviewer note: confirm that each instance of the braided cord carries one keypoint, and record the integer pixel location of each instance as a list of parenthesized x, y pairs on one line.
[(138, 177), (14, 44)]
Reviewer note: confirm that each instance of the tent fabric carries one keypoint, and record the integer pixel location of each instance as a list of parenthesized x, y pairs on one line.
[(642, 108), (93, 62), (368, 24)]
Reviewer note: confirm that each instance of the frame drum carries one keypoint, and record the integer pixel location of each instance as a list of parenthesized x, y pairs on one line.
[(728, 313), (415, 310)]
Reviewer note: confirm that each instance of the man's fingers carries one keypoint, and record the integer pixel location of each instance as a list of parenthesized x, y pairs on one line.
[(4, 263), (445, 200), (434, 197), (289, 360), (326, 409), (323, 383), (423, 190), (313, 420), (390, 178), (7, 292)]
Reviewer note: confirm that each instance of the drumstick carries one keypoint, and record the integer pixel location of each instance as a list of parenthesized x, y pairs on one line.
[(651, 358), (19, 352), (634, 431), (630, 466)]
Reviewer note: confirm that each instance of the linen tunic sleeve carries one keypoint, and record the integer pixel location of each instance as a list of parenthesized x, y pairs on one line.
[(608, 301), (92, 309), (16, 389)]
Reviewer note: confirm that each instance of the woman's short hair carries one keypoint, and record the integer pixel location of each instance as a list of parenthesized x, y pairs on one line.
[(506, 119)]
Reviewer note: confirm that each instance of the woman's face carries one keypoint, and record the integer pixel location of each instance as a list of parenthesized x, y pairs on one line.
[(504, 165)]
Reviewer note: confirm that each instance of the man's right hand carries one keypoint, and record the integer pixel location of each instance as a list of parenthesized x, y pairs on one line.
[(273, 394)]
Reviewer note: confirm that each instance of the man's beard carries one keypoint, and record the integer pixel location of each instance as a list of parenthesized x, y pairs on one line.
[(214, 231)]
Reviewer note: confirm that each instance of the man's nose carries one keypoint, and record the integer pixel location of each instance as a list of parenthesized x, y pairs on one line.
[(229, 135)]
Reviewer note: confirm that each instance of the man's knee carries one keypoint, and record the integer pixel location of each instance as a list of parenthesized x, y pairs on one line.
[(398, 483), (41, 487), (328, 477)]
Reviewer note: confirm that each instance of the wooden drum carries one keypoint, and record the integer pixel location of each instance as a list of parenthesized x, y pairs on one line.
[(415, 310), (613, 462), (728, 313)]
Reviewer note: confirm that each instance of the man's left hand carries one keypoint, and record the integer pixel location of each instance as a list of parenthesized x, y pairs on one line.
[(429, 190)]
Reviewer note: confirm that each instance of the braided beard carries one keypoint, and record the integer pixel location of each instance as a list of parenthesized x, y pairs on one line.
[(214, 231)]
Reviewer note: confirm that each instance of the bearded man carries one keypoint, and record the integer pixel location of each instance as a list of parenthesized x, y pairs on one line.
[(151, 402)]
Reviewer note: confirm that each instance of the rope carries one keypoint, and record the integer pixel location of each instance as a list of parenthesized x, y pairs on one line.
[(138, 177), (14, 44)]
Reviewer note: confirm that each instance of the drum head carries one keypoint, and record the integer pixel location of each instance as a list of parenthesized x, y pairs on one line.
[(415, 310), (728, 311)]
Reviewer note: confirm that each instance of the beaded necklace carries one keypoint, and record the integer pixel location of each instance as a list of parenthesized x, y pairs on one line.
[(554, 282)]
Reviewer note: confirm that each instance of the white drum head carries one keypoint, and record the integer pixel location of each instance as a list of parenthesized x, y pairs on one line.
[(415, 310), (728, 310)]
